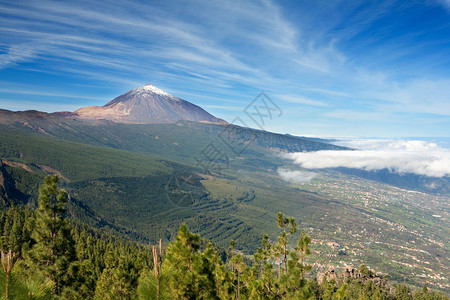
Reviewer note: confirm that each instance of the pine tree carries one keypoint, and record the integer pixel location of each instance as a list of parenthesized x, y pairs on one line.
[(190, 273), (54, 249), (303, 251), (114, 283), (289, 227)]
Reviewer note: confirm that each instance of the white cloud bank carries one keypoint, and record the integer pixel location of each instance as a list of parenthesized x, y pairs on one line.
[(418, 157), (295, 176)]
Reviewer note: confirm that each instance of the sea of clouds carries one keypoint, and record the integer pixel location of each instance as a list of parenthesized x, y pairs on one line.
[(399, 156)]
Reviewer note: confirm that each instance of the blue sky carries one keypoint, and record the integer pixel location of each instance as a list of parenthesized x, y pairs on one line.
[(335, 68)]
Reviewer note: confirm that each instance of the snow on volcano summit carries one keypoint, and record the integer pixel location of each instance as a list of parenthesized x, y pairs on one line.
[(151, 88)]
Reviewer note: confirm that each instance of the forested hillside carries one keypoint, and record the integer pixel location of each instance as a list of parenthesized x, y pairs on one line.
[(44, 256), (117, 175), (140, 182)]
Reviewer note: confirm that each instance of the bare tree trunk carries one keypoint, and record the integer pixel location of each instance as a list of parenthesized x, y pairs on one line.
[(8, 262), (157, 268), (7, 287), (302, 257), (238, 287)]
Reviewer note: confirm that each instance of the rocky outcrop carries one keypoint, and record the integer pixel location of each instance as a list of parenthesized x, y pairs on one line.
[(9, 192), (3, 185)]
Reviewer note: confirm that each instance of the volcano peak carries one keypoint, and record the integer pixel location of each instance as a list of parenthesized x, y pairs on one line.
[(147, 104)]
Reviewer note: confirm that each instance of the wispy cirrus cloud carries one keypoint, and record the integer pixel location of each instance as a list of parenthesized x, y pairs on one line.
[(425, 96), (302, 100), (338, 57), (446, 3), (14, 105), (47, 94), (17, 54), (153, 40)]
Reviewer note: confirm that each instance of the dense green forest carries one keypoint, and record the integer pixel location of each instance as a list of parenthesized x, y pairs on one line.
[(46, 256)]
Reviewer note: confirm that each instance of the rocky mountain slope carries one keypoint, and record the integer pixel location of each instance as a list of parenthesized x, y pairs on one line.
[(147, 105)]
